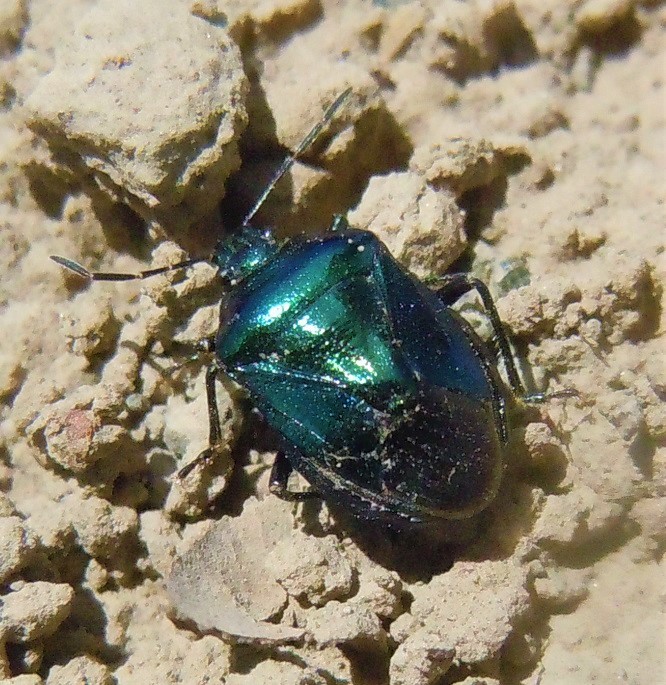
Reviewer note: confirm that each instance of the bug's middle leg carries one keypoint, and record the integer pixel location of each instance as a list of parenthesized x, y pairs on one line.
[(214, 427), (279, 480)]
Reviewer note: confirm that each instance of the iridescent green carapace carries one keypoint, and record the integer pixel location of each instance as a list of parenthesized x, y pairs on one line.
[(385, 398)]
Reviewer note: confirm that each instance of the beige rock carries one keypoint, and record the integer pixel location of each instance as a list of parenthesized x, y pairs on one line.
[(472, 609), (269, 672), (17, 542), (160, 537), (422, 227), (650, 514), (94, 335), (154, 124), (10, 374), (563, 588), (51, 523), (25, 679), (34, 611), (600, 15), (318, 574), (622, 593), (575, 517), (159, 651), (420, 660), (462, 164), (344, 623), (103, 530), (74, 433), (79, 671), (362, 140), (381, 592), (545, 450), (7, 507), (221, 581), (272, 17), (13, 18)]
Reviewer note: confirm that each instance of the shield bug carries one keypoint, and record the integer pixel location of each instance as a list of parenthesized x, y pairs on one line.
[(386, 400)]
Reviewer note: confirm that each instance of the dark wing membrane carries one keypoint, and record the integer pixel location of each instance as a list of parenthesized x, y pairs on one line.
[(441, 456), (435, 456)]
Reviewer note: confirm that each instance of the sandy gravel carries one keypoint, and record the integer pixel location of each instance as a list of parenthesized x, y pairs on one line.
[(521, 140)]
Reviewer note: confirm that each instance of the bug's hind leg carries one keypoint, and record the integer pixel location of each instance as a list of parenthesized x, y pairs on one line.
[(278, 483), (452, 287)]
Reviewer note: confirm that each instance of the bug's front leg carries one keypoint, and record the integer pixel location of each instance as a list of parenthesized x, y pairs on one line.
[(278, 482)]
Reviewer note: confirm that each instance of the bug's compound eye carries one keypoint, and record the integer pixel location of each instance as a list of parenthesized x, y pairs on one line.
[(241, 254), (444, 456)]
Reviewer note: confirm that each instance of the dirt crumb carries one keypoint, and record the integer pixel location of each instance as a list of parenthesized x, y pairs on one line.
[(34, 610), (82, 669), (17, 542)]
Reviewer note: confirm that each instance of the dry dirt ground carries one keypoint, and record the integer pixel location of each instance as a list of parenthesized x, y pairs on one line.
[(522, 140)]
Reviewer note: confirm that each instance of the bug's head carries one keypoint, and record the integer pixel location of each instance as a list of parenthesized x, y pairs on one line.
[(242, 253)]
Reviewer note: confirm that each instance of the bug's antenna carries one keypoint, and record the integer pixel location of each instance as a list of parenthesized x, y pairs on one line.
[(114, 276), (302, 146), (286, 165)]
